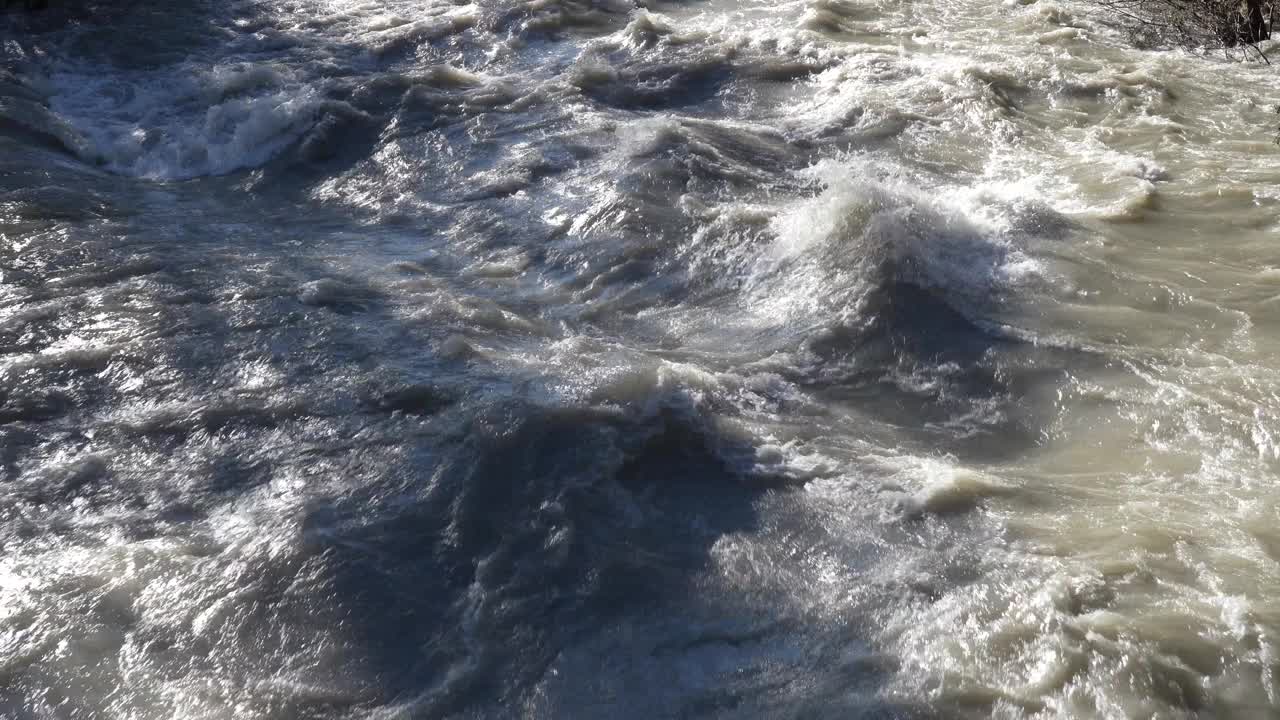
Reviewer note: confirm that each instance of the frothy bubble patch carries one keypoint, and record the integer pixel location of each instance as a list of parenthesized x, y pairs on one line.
[(832, 249)]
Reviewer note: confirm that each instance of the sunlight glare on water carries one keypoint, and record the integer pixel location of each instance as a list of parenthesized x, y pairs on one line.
[(559, 358)]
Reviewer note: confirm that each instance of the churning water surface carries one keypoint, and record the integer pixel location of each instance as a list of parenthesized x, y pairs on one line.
[(634, 359)]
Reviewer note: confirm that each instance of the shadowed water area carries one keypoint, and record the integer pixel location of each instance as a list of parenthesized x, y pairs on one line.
[(599, 358)]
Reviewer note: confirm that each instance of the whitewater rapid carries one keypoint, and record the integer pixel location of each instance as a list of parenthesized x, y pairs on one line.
[(600, 358)]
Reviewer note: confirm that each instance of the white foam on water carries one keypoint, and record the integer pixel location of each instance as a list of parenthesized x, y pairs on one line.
[(227, 119), (1003, 159), (830, 251)]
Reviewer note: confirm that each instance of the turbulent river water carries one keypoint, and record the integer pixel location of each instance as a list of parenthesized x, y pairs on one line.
[(598, 358)]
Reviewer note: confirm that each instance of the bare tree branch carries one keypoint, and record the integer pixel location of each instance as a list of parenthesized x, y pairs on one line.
[(1197, 24)]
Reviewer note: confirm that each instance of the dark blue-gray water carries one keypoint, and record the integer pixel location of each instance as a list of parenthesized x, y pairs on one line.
[(598, 358)]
